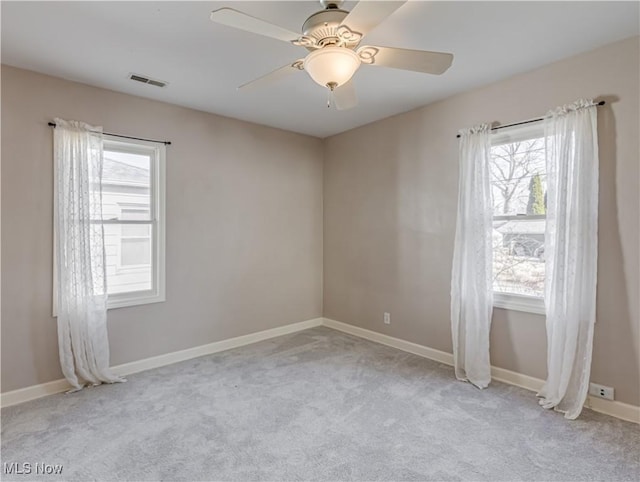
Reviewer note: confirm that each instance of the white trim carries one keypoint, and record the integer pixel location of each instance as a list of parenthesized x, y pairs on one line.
[(531, 129), (42, 390), (215, 347), (157, 222), (624, 411), (519, 217), (616, 409), (34, 391), (133, 298), (516, 379), (510, 301), (420, 350)]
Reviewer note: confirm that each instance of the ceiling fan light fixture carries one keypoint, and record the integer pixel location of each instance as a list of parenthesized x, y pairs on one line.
[(332, 65)]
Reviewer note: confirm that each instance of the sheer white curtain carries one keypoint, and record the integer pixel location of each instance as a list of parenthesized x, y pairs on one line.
[(81, 281), (471, 276), (571, 253)]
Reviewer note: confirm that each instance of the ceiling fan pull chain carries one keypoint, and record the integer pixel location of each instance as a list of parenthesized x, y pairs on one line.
[(331, 86)]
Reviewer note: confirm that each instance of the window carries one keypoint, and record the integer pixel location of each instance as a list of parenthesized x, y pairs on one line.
[(518, 188), (133, 220)]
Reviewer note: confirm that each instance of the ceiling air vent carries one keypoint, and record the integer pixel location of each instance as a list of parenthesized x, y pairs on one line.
[(146, 80)]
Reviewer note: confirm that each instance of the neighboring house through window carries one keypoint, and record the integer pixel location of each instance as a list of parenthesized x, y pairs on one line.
[(135, 240), (518, 185)]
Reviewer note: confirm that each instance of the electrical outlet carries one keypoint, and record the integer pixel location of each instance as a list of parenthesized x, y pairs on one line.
[(600, 391), (387, 318)]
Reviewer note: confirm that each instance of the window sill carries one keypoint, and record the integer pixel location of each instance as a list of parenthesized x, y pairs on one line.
[(134, 299), (527, 304), (123, 300)]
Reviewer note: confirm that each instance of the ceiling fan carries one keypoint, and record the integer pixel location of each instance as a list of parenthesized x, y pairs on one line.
[(332, 36)]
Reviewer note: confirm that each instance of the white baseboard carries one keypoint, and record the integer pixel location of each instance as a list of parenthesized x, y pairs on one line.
[(215, 347), (21, 395), (42, 390), (614, 408), (517, 379), (420, 350), (624, 411)]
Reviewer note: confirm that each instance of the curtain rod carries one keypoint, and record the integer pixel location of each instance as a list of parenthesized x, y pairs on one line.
[(602, 102), (166, 143)]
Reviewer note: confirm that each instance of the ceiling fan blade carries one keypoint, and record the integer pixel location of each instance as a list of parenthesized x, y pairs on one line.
[(272, 77), (369, 13), (233, 18), (406, 59), (345, 96)]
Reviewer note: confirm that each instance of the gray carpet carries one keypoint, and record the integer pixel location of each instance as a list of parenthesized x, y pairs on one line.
[(315, 405)]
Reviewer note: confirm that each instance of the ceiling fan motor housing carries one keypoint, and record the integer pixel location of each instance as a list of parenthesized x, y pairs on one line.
[(331, 3), (323, 26)]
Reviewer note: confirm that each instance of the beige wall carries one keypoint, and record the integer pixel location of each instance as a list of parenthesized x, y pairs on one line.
[(390, 193), (244, 225), (245, 221)]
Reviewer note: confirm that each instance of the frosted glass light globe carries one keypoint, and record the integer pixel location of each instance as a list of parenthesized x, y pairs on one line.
[(332, 65)]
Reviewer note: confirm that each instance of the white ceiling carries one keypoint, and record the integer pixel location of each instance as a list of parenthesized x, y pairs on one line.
[(100, 43)]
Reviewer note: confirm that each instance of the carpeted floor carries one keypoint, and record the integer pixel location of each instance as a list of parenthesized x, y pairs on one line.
[(315, 405)]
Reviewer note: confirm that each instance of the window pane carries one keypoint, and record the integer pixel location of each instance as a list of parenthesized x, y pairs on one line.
[(134, 212), (133, 279), (135, 251), (136, 230), (128, 250), (518, 256), (518, 178), (126, 195), (126, 180)]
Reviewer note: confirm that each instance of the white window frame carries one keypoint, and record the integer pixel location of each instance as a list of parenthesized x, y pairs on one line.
[(157, 212), (514, 301)]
